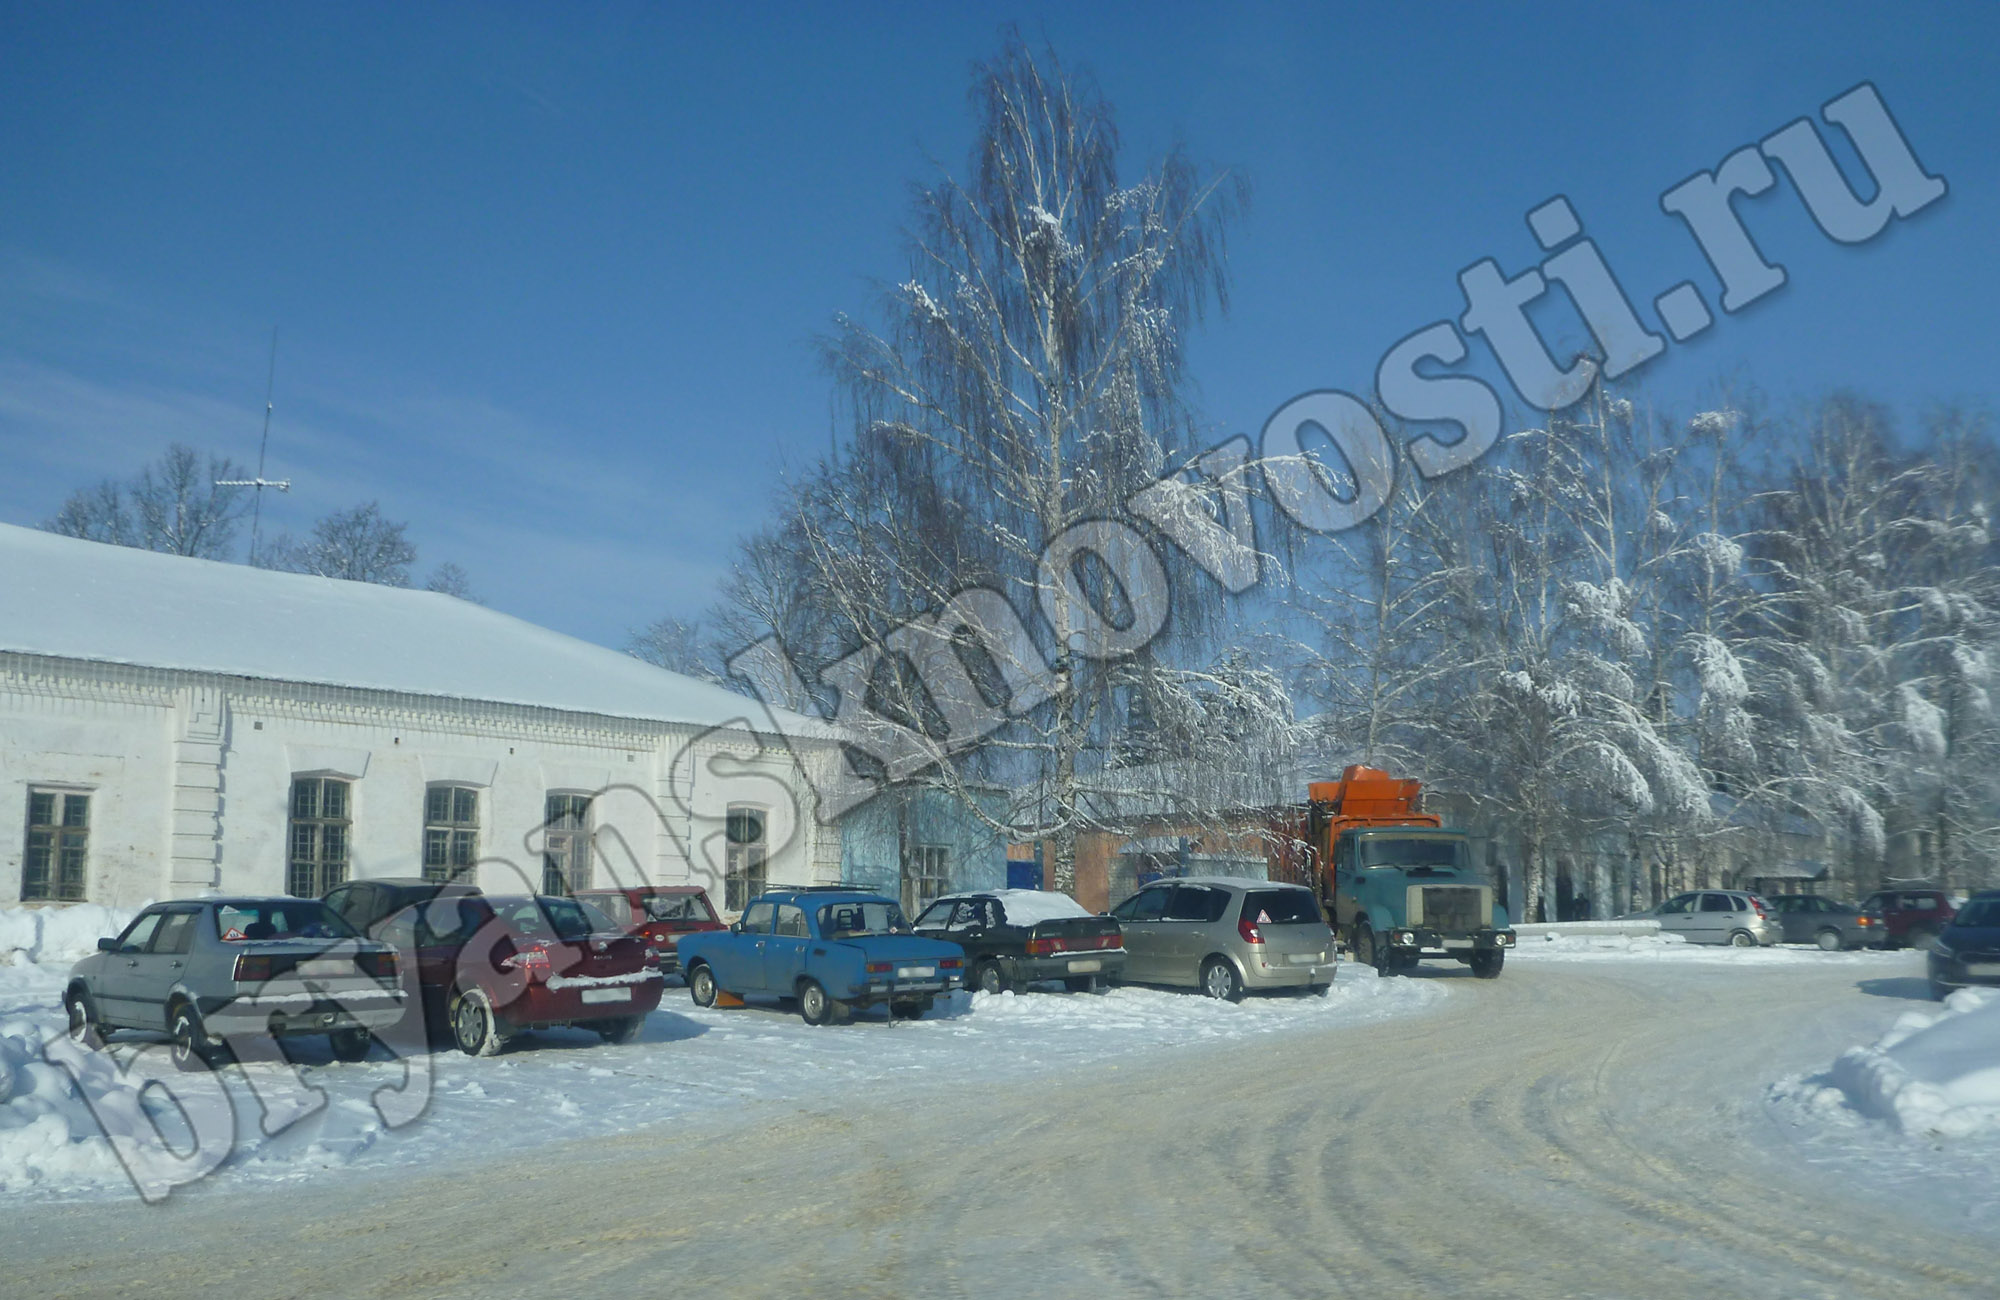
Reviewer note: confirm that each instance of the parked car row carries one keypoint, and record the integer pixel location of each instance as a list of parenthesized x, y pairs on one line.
[(414, 960), (1891, 918), (482, 969)]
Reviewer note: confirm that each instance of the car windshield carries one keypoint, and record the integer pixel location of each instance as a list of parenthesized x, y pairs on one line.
[(854, 918), (1412, 851), (679, 907), (286, 918), (545, 918), (1281, 907), (596, 912), (1981, 914)]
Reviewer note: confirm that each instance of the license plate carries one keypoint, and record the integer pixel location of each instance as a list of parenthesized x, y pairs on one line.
[(1088, 964), (1982, 968), (1303, 958), (607, 995), (914, 972), (326, 966)]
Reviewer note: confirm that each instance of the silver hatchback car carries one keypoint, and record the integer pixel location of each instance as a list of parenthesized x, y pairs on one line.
[(1728, 916), (1225, 935)]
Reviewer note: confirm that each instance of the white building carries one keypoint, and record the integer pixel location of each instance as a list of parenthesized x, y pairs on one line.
[(170, 726)]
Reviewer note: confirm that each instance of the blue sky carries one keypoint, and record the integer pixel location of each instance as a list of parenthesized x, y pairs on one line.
[(547, 278)]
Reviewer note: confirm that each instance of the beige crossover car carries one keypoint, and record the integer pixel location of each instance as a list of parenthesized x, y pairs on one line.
[(1225, 935)]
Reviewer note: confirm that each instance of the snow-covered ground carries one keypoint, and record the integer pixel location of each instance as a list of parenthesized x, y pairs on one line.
[(565, 1084), (1584, 946)]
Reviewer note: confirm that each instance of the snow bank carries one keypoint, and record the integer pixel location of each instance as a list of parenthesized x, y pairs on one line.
[(1934, 1072), (48, 1138), (57, 934), (1575, 945)]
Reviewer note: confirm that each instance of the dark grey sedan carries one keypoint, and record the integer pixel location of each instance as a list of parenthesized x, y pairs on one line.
[(1808, 918), (205, 970)]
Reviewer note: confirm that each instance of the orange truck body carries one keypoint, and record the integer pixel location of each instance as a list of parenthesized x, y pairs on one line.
[(1363, 796)]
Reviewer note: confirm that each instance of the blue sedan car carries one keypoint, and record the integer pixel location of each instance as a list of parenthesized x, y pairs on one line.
[(835, 950)]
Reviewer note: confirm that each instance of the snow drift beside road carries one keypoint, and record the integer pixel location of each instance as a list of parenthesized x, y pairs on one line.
[(57, 934), (1934, 1072)]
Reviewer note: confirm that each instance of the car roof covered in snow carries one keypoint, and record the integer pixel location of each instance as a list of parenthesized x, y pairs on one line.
[(1026, 906), (1232, 882), (72, 599)]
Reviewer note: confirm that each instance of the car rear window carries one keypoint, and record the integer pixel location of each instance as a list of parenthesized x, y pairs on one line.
[(1281, 907), (847, 920), (290, 918), (678, 907)]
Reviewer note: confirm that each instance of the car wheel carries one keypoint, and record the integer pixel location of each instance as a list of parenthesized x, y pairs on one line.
[(620, 1031), (815, 1007), (191, 1050), (701, 985), (348, 1044), (989, 978), (1828, 940), (84, 1027), (1487, 963), (1219, 980), (1742, 939), (473, 1025)]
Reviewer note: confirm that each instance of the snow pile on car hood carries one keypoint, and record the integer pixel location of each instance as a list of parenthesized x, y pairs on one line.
[(57, 934), (1934, 1072)]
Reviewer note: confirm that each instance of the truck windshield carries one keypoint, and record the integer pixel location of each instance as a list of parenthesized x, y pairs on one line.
[(1412, 851)]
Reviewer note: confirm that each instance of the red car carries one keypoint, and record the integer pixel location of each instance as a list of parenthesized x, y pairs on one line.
[(660, 914), (1911, 918), (490, 967)]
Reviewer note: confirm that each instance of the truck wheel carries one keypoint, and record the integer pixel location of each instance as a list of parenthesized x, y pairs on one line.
[(1219, 980), (701, 985), (1370, 951), (348, 1044), (815, 1007), (1486, 963), (1828, 940)]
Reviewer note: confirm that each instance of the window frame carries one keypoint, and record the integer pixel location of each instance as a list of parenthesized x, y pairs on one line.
[(64, 875), (459, 834), (926, 876), (746, 862), (322, 872), (569, 841)]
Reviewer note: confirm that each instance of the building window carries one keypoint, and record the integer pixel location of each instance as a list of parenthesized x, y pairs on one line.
[(923, 877), (319, 836), (566, 844), (451, 831), (745, 856), (58, 833)]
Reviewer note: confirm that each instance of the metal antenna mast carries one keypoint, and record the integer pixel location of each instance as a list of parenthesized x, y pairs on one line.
[(260, 482)]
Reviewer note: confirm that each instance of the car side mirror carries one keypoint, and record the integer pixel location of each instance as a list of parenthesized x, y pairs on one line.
[(736, 927), (107, 944)]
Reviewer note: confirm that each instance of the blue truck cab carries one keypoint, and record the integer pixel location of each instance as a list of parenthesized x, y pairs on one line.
[(1405, 893), (834, 949)]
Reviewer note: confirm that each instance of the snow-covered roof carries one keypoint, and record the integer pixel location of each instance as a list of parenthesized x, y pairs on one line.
[(73, 599)]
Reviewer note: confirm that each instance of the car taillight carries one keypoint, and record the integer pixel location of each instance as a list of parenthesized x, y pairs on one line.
[(1249, 931), (880, 967), (382, 965), (1043, 947), (1760, 907), (1111, 941), (252, 968), (535, 961), (1864, 920), (950, 963)]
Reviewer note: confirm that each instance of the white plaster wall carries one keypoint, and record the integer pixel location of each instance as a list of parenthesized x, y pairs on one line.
[(657, 817)]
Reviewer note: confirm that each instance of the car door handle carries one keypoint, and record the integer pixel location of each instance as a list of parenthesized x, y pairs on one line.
[(131, 961), (173, 965)]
